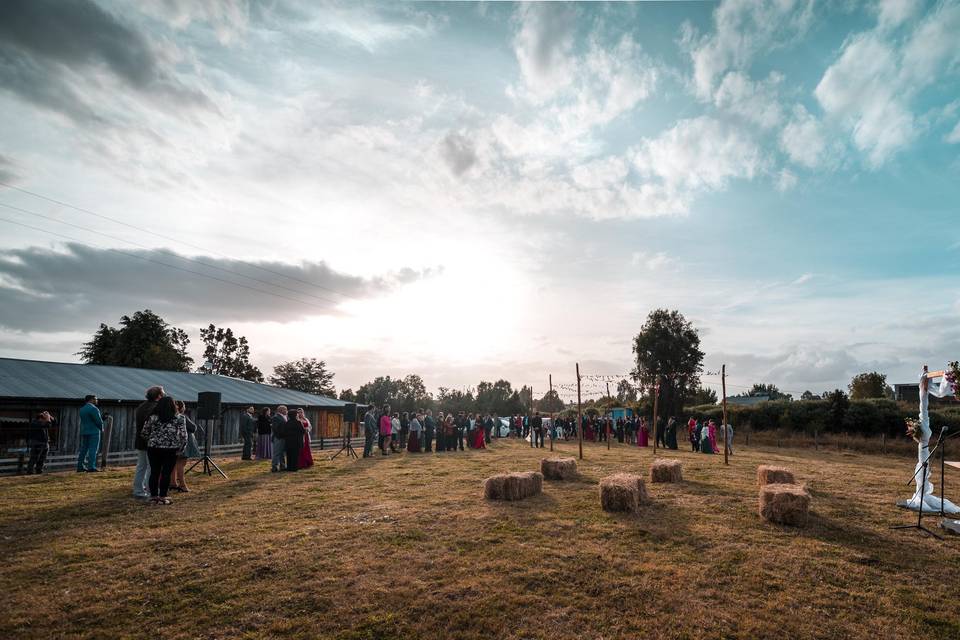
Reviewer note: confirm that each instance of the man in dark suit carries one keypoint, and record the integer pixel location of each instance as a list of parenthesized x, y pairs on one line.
[(429, 430), (370, 430), (293, 435), (537, 428), (462, 424), (278, 432)]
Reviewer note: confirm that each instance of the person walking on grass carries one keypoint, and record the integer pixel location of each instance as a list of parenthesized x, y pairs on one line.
[(39, 440), (369, 431), (429, 431), (248, 427), (293, 441), (91, 427), (166, 434), (278, 429), (386, 428), (190, 450), (141, 475)]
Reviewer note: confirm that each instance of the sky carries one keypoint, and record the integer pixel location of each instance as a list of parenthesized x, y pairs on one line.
[(475, 191)]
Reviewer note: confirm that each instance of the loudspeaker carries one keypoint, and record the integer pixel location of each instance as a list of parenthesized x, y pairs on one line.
[(350, 412), (208, 405)]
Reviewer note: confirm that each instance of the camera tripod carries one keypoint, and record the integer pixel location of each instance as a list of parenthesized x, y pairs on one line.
[(347, 444), (208, 464)]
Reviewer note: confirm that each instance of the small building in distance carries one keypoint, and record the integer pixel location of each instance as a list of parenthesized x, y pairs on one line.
[(28, 387), (910, 392)]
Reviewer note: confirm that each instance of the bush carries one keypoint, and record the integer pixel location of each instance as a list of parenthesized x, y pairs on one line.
[(870, 417)]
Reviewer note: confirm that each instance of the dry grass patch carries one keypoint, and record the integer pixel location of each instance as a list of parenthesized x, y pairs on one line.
[(405, 547)]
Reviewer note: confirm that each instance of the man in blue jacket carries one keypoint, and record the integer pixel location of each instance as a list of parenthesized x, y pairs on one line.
[(91, 426)]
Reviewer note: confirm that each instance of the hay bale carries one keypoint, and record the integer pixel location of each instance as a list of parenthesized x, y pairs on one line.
[(666, 471), (784, 504), (623, 492), (513, 486), (769, 474), (558, 468)]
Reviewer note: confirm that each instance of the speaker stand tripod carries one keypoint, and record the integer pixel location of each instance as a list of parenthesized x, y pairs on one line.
[(346, 445), (208, 464)]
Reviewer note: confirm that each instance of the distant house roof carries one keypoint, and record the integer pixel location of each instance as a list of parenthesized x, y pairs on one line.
[(747, 400), (67, 381)]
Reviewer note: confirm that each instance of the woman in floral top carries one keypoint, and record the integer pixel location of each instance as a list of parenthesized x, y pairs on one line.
[(166, 433)]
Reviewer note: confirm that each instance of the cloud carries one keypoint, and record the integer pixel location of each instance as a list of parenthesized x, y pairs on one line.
[(870, 88), (786, 180), (8, 171), (228, 18), (803, 139), (459, 153), (544, 45), (954, 136), (98, 284), (652, 261), (700, 154), (756, 102), (372, 27), (893, 13), (54, 41), (742, 29)]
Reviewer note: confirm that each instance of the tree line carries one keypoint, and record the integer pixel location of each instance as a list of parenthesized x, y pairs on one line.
[(145, 340)]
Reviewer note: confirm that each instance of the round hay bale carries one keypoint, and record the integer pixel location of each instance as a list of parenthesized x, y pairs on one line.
[(513, 486), (769, 474), (784, 504), (666, 471), (558, 468), (623, 492)]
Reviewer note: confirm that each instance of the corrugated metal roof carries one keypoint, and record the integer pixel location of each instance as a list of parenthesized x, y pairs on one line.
[(68, 381)]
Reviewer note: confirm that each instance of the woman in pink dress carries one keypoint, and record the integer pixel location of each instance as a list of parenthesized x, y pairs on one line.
[(712, 426), (643, 437), (306, 456)]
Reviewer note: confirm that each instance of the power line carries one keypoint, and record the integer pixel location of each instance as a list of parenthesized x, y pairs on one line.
[(172, 239), (171, 266)]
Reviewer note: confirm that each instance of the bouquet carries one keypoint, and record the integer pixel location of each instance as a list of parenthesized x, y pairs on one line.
[(913, 429), (953, 377)]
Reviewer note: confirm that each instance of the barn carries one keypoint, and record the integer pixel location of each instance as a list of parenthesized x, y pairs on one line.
[(28, 387)]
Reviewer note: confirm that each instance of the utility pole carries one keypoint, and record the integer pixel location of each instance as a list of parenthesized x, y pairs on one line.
[(608, 421), (579, 414), (656, 425), (552, 428), (726, 444)]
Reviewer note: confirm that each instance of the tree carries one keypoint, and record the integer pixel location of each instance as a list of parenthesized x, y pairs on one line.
[(838, 405), (771, 391), (550, 402), (498, 397), (626, 392), (809, 395), (455, 400), (143, 340), (868, 385), (411, 394), (702, 395), (526, 398), (306, 374), (228, 355), (347, 395), (667, 352)]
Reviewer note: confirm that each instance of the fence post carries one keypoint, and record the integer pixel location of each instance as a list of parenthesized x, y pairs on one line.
[(883, 440), (816, 445), (105, 445)]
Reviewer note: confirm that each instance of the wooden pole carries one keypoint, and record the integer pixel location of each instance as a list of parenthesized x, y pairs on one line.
[(656, 426), (530, 418), (608, 421), (551, 412), (579, 414), (726, 445), (105, 445)]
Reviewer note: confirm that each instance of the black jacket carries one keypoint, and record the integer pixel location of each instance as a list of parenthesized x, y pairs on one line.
[(140, 418), (39, 432)]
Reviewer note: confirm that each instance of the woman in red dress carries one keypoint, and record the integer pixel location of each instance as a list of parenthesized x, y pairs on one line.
[(476, 436), (644, 435), (306, 456)]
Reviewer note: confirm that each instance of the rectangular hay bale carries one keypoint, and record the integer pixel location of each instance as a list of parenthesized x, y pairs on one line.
[(784, 504), (666, 471), (513, 486), (623, 492), (558, 468), (769, 474)]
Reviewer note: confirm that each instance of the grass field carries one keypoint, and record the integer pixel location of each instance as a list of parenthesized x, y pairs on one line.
[(404, 547)]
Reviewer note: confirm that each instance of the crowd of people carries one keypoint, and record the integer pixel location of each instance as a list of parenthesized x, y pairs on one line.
[(166, 438)]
